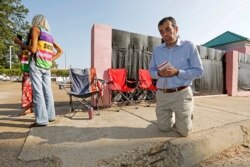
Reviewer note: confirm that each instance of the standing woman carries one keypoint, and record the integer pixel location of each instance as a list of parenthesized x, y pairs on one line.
[(43, 50), (26, 99)]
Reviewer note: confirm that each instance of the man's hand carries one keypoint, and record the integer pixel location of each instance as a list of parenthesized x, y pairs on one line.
[(168, 72)]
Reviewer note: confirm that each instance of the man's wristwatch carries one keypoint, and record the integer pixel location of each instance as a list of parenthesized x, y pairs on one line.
[(177, 72)]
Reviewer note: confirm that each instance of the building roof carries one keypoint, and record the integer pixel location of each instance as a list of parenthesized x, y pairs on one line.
[(225, 38)]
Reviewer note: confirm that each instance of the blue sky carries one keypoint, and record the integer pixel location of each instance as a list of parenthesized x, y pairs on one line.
[(199, 20)]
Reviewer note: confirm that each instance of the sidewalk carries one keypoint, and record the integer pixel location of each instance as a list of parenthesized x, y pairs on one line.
[(130, 135)]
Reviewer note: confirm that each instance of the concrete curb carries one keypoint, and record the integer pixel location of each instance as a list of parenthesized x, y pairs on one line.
[(188, 151)]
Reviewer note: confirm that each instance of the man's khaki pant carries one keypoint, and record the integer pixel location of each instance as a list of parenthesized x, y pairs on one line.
[(179, 104)]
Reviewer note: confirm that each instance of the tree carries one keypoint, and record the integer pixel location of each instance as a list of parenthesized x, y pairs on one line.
[(12, 19)]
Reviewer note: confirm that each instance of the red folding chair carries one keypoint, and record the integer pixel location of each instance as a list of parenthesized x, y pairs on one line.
[(147, 86), (118, 89)]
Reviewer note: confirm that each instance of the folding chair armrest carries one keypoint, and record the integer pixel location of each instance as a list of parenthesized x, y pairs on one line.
[(101, 80), (100, 83), (111, 85), (131, 81), (110, 82)]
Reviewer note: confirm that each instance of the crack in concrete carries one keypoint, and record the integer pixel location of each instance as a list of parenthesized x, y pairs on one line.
[(222, 110), (246, 136)]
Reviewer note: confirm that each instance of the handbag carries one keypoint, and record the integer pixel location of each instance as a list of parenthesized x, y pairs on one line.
[(25, 60)]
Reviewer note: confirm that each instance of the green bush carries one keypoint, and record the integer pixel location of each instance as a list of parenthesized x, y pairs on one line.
[(12, 72), (18, 72), (59, 73)]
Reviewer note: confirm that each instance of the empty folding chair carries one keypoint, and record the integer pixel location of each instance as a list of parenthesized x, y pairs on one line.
[(84, 85), (147, 86), (118, 89)]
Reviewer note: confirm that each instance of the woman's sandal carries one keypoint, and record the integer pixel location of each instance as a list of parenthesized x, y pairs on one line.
[(36, 125), (24, 112)]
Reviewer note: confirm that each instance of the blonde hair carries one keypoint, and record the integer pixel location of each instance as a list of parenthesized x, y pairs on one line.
[(40, 20)]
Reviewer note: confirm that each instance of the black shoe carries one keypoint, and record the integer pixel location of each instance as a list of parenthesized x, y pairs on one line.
[(36, 125)]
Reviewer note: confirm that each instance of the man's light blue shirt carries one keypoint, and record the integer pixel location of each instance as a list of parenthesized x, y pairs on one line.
[(183, 56)]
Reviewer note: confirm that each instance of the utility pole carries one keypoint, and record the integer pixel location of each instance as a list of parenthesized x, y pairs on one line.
[(10, 55), (65, 61)]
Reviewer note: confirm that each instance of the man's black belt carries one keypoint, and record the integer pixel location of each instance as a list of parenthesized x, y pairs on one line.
[(171, 90)]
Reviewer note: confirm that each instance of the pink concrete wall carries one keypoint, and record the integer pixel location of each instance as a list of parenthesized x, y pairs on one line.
[(244, 93), (101, 54), (232, 72), (242, 49), (232, 75), (247, 49)]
